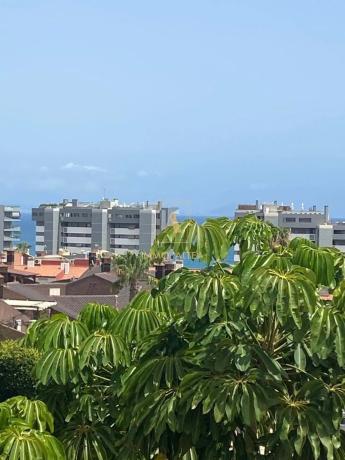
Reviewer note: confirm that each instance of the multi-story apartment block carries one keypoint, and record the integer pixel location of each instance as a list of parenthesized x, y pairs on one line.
[(108, 225), (311, 224), (9, 227)]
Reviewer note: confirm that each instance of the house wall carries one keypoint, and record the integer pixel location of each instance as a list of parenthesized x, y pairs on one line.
[(89, 285)]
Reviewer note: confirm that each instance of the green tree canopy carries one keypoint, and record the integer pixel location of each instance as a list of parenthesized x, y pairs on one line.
[(238, 363)]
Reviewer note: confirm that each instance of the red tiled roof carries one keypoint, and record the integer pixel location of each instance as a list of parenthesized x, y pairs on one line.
[(74, 272), (50, 271), (21, 271)]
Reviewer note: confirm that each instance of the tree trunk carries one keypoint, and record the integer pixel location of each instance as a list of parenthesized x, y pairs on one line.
[(134, 288)]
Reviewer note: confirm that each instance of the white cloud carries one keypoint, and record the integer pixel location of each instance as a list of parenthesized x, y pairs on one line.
[(142, 173), (69, 166), (92, 168), (43, 168)]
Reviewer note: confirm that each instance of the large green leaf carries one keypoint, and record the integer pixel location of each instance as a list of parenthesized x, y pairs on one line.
[(58, 332), (320, 260), (205, 292), (290, 293), (206, 242), (34, 412), (87, 441), (154, 300), (103, 348), (96, 316), (252, 234), (18, 443), (134, 324), (59, 365)]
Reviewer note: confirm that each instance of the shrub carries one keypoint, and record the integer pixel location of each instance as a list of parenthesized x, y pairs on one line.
[(16, 370)]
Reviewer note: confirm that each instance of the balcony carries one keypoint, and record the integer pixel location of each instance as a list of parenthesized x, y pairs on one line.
[(11, 219), (12, 229), (11, 238)]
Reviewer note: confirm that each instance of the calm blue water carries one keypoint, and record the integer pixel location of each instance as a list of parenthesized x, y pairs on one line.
[(28, 235), (28, 231)]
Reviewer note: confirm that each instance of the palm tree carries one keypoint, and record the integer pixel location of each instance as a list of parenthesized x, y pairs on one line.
[(131, 268), (23, 247), (281, 237)]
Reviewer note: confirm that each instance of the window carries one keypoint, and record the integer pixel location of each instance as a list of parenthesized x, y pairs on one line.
[(303, 231), (290, 219), (124, 246), (304, 219), (128, 226), (339, 232), (76, 235), (75, 224), (128, 237), (76, 245), (339, 242)]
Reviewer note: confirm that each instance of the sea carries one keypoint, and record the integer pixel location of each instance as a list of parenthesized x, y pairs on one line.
[(28, 235)]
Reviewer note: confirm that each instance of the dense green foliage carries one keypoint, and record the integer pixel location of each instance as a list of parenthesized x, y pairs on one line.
[(222, 363), (26, 429), (16, 370)]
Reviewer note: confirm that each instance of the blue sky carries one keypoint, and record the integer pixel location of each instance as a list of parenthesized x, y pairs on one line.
[(200, 103)]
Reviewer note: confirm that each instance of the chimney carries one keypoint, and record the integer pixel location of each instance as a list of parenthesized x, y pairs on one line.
[(10, 257), (106, 265), (25, 259), (92, 259), (65, 267), (326, 213), (159, 271), (19, 325)]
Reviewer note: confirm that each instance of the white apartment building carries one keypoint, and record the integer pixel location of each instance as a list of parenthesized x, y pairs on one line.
[(9, 227), (311, 224), (80, 227)]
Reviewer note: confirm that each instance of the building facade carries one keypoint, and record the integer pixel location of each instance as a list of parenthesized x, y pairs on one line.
[(312, 224), (9, 227), (108, 225)]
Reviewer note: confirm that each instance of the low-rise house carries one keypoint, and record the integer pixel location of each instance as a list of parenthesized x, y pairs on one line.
[(27, 269), (11, 318), (71, 305)]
